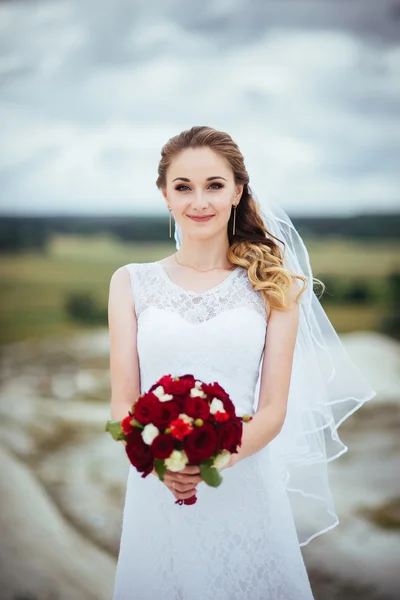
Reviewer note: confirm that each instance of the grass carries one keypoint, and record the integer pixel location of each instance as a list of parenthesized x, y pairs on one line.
[(35, 285), (350, 317), (352, 258)]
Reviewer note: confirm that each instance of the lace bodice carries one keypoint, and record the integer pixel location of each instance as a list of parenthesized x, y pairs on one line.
[(218, 334)]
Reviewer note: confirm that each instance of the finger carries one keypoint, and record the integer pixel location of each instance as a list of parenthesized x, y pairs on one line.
[(175, 483), (182, 487), (188, 479), (171, 477), (183, 475), (175, 474), (193, 480), (191, 470)]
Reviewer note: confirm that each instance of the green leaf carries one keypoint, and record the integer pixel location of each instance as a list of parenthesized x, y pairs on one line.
[(160, 468), (114, 427), (210, 475)]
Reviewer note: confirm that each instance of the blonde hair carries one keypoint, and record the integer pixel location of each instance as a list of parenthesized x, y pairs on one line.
[(252, 246)]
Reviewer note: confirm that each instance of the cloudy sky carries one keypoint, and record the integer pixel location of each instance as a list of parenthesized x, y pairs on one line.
[(90, 90)]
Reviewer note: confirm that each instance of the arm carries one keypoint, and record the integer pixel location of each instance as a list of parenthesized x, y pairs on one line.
[(124, 362), (125, 373), (275, 380)]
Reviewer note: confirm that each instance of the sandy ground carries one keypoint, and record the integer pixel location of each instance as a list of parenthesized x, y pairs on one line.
[(62, 496)]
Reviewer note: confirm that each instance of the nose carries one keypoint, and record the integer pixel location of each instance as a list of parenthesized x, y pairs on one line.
[(199, 202)]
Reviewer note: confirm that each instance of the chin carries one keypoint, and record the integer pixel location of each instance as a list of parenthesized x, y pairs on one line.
[(202, 235)]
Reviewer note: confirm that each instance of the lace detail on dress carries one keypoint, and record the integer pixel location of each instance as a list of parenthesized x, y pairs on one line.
[(151, 286), (218, 334)]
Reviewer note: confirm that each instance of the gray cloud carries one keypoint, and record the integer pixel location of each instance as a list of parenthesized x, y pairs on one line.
[(90, 91)]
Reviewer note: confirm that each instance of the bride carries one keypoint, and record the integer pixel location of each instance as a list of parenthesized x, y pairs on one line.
[(235, 304)]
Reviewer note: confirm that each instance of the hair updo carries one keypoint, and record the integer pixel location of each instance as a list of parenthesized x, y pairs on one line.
[(252, 246)]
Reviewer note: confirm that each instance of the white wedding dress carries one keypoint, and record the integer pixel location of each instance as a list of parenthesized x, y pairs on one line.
[(238, 542)]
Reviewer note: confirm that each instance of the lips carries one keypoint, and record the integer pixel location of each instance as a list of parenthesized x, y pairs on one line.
[(200, 219)]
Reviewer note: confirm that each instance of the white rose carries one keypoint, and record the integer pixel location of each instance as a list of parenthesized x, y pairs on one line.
[(186, 418), (149, 433), (222, 459), (160, 393), (196, 392), (216, 406), (177, 461)]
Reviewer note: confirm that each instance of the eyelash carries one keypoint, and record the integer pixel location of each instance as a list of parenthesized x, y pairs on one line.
[(183, 185)]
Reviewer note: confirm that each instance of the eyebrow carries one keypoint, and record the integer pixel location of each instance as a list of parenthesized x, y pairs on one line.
[(208, 178)]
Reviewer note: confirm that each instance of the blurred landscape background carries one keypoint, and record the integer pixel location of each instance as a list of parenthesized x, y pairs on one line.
[(89, 93)]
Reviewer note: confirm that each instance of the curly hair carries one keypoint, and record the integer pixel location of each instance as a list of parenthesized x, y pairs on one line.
[(252, 246)]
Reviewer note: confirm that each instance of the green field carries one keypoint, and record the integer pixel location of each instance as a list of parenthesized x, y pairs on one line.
[(34, 286)]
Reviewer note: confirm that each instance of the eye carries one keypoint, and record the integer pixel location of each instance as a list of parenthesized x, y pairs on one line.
[(180, 186)]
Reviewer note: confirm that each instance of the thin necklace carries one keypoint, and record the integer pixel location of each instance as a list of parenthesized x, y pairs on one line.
[(195, 268)]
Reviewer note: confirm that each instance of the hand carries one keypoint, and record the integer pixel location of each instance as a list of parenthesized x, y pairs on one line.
[(233, 460), (183, 483)]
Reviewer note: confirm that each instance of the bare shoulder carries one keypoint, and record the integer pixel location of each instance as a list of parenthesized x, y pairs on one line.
[(120, 277), (120, 288)]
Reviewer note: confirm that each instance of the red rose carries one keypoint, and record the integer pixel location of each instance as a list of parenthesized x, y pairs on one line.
[(186, 383), (201, 443), (162, 446), (189, 377), (179, 387), (230, 434), (229, 407), (215, 390), (175, 386), (166, 412), (238, 423), (126, 425), (165, 381), (180, 428), (221, 417), (196, 407), (139, 453), (145, 409)]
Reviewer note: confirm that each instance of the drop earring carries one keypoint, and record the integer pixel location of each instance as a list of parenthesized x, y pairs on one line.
[(234, 219), (170, 222)]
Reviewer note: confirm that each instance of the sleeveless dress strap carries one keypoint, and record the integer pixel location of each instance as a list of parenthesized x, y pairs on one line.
[(144, 284), (133, 271)]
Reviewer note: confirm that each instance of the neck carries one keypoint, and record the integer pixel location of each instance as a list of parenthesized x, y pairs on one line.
[(204, 254)]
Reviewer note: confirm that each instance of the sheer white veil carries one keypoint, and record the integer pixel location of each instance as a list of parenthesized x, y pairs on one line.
[(326, 387)]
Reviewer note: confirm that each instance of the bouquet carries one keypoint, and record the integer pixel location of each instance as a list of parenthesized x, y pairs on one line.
[(181, 421)]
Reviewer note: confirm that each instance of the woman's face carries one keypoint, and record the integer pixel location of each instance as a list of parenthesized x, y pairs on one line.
[(200, 182)]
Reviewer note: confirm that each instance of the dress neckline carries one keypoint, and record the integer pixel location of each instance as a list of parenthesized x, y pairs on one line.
[(193, 292)]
